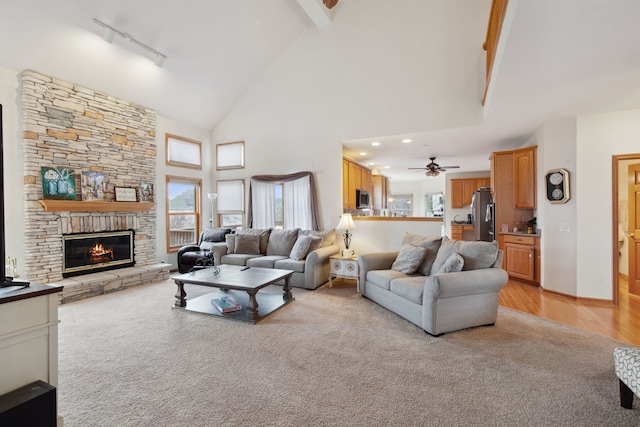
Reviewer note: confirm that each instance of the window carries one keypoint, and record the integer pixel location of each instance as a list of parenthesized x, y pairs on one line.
[(283, 201), (183, 211), (230, 202), (183, 152), (435, 205), (401, 205), (230, 155)]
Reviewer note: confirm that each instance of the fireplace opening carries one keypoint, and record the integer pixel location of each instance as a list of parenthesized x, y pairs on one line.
[(85, 253)]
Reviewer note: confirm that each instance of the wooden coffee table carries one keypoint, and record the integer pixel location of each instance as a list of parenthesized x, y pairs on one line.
[(242, 284)]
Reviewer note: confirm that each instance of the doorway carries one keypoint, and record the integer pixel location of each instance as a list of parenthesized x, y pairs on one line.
[(620, 243)]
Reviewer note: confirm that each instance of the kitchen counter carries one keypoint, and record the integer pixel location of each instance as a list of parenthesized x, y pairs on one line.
[(519, 233)]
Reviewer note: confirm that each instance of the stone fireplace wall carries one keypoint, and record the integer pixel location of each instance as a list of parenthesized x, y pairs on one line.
[(69, 126)]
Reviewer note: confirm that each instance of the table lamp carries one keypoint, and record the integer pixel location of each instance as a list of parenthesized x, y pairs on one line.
[(212, 197), (346, 223)]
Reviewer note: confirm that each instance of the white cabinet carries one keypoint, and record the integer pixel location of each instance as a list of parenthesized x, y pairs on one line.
[(29, 336)]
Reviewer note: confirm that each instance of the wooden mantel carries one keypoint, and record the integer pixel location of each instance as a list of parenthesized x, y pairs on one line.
[(94, 206)]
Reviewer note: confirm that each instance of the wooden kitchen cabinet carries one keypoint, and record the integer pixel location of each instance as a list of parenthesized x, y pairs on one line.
[(461, 231), (354, 177), (380, 192), (521, 255), (524, 175), (462, 190)]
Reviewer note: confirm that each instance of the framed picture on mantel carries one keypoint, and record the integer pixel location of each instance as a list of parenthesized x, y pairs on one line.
[(125, 194)]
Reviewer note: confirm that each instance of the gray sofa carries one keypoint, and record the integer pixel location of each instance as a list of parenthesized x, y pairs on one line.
[(455, 284), (284, 249)]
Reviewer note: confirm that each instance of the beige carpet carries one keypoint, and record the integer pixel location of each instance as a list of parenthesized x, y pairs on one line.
[(330, 358)]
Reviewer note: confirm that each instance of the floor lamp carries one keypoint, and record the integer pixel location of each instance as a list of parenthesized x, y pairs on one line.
[(212, 197)]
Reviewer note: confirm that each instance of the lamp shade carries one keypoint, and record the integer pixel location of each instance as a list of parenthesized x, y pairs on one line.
[(346, 223)]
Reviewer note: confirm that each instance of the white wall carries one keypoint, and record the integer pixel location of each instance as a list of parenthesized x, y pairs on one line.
[(383, 236), (331, 85), (419, 190), (599, 137), (557, 149)]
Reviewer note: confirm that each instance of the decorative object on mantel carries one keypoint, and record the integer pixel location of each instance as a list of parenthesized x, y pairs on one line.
[(125, 194), (346, 223), (557, 186), (145, 192), (330, 3), (59, 184), (93, 186)]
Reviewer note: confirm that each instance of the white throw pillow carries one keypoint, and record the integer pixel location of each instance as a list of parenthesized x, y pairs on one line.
[(409, 259), (453, 264)]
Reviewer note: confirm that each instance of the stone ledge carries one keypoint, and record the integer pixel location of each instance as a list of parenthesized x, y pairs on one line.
[(89, 285)]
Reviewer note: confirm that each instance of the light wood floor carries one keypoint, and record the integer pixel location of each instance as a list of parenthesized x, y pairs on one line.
[(621, 322)]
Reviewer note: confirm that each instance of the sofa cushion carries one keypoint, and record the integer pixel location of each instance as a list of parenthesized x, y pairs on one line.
[(230, 239), (214, 234), (453, 264), (262, 232), (304, 245), (410, 288), (383, 278), (247, 244), (409, 259), (237, 259), (476, 255), (431, 244), (290, 264), (328, 237), (264, 261), (281, 241)]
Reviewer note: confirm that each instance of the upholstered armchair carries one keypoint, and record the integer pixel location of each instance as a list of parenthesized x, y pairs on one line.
[(190, 254)]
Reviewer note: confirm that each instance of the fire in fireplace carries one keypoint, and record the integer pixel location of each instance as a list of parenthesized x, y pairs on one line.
[(92, 252)]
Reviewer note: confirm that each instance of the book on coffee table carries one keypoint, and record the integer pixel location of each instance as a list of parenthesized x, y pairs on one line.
[(225, 304)]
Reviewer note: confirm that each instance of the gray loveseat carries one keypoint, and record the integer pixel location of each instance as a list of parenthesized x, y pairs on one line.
[(455, 284), (306, 252)]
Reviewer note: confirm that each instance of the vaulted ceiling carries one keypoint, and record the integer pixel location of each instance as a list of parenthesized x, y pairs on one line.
[(557, 59)]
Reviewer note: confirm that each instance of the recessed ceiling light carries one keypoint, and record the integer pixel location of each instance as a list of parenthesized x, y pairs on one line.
[(375, 143), (387, 167), (363, 153), (406, 141), (371, 164)]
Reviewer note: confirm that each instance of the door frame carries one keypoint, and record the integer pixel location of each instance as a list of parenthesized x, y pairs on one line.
[(614, 244)]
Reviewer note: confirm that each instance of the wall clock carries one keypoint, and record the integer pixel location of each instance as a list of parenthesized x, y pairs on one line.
[(557, 184)]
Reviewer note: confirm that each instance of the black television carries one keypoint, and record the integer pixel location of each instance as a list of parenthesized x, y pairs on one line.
[(5, 281)]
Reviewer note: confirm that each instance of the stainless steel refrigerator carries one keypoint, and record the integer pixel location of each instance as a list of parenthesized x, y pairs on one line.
[(482, 215)]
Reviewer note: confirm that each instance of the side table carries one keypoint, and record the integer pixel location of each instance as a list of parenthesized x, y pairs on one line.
[(344, 267)]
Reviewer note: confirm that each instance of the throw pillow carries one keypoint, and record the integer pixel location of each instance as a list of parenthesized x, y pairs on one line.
[(248, 244), (328, 237), (264, 236), (230, 239), (214, 234), (476, 255), (409, 259), (431, 244), (453, 264), (303, 246), (281, 241)]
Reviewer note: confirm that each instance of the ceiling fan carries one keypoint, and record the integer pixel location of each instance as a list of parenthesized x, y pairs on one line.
[(434, 169)]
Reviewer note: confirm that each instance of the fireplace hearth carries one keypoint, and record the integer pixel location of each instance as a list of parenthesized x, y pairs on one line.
[(85, 253)]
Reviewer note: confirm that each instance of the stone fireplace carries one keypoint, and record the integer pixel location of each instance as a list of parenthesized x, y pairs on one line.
[(84, 253), (73, 127)]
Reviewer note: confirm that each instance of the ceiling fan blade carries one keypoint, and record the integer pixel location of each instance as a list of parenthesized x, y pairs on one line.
[(449, 167), (419, 168)]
